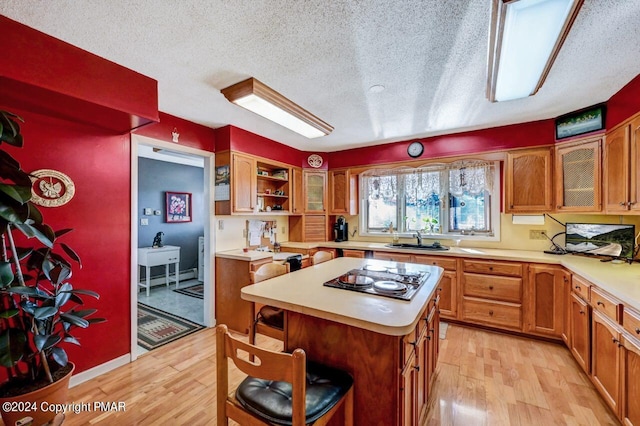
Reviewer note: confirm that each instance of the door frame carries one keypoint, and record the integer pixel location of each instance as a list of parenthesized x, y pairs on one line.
[(209, 233)]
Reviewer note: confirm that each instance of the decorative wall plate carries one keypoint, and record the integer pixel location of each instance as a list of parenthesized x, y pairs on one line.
[(51, 188), (314, 161)]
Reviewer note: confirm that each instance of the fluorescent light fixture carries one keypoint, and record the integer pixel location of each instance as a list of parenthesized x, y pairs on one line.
[(261, 99), (524, 40), (524, 219)]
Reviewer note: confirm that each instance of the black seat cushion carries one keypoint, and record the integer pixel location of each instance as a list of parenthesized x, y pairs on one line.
[(272, 316), (272, 400)]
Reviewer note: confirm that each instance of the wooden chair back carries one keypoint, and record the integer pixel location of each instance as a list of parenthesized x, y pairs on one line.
[(268, 270), (321, 256), (266, 364)]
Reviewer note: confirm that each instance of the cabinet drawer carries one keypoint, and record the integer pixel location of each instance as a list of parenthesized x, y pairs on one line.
[(581, 287), (502, 314), (353, 253), (495, 268), (605, 304), (253, 266), (446, 264), (394, 257), (163, 257), (493, 287), (631, 322)]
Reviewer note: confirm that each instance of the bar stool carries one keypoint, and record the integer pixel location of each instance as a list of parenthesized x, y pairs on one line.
[(321, 256), (270, 321), (281, 388)]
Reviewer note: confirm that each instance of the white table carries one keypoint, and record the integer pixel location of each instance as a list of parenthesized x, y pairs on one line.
[(149, 256)]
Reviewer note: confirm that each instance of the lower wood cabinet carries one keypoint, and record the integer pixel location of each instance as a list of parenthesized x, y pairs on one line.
[(545, 300), (393, 257), (448, 287), (630, 385), (580, 343), (605, 369)]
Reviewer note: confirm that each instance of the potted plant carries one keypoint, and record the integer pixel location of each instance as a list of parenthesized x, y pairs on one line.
[(39, 307)]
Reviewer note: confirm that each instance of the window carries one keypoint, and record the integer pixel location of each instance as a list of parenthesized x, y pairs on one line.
[(441, 199)]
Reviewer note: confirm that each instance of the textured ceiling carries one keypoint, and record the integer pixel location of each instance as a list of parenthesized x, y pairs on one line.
[(324, 55)]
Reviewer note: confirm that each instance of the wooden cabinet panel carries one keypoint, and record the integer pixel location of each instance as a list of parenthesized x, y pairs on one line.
[(448, 294), (616, 169), (577, 176), (297, 204), (394, 257), (581, 287), (353, 253), (545, 301), (447, 264), (528, 181), (631, 322), (566, 309), (581, 332), (630, 385), (494, 313), (315, 228), (605, 369), (243, 184), (408, 389), (493, 268), (605, 304), (492, 287), (343, 193)]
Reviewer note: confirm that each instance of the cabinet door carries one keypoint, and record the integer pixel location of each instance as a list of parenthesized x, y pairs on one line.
[(634, 202), (630, 394), (343, 193), (408, 388), (566, 308), (244, 184), (315, 189), (297, 204), (606, 359), (448, 288), (528, 181), (580, 332), (616, 170), (577, 177), (544, 303)]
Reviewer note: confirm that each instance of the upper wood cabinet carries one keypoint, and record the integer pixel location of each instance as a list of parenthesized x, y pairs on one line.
[(621, 168), (297, 192), (528, 181), (343, 193), (315, 191), (577, 176), (243, 184)]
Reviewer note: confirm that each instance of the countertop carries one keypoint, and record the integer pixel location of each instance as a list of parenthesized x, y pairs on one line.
[(620, 280), (302, 291), (253, 255)]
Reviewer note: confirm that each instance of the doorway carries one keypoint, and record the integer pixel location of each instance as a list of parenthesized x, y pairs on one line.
[(185, 297)]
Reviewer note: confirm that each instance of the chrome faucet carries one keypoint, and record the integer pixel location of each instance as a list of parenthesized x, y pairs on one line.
[(419, 237)]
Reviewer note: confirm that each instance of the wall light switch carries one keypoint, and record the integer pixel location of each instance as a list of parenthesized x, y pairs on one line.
[(221, 224), (144, 221), (148, 211), (157, 212)]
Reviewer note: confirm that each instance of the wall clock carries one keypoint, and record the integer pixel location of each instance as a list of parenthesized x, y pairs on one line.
[(51, 188), (415, 149), (314, 161)]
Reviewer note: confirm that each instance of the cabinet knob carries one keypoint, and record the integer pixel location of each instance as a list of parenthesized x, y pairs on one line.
[(577, 287), (581, 312), (417, 367), (637, 330), (632, 203), (491, 268), (623, 203), (614, 340), (439, 288), (599, 303), (490, 312), (490, 287), (511, 206), (414, 343)]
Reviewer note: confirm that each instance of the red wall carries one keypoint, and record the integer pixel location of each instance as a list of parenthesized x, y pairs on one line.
[(624, 104), (191, 134), (99, 213)]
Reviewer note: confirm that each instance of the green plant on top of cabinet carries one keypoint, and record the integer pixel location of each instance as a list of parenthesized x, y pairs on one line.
[(577, 176), (528, 181), (621, 168)]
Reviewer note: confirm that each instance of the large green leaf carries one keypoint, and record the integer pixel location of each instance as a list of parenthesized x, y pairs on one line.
[(10, 129), (21, 194), (83, 313), (70, 339), (14, 212), (23, 252), (86, 292), (60, 356), (32, 231), (46, 341), (23, 290), (12, 343), (72, 254), (74, 320), (9, 313), (44, 313), (6, 274), (63, 295)]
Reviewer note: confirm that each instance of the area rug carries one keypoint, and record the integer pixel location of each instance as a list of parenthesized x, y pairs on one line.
[(157, 328), (193, 291), (443, 330)]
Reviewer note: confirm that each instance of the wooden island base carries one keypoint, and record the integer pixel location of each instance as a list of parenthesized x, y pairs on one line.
[(391, 373)]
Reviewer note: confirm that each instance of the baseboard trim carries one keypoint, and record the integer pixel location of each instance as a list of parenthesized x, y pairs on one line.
[(98, 370), (187, 274)]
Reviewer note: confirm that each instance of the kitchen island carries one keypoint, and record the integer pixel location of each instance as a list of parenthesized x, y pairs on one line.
[(389, 346)]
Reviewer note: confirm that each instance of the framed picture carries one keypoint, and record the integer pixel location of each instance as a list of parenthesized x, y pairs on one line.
[(583, 121), (178, 207)]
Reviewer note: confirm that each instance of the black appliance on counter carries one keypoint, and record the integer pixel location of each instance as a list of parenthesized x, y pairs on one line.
[(340, 230)]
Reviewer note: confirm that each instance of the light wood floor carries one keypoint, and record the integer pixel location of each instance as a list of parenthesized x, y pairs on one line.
[(483, 378)]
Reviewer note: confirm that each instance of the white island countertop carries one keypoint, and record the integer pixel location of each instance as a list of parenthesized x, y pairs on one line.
[(303, 292)]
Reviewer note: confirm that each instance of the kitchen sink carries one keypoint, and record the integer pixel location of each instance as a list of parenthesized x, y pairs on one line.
[(434, 246)]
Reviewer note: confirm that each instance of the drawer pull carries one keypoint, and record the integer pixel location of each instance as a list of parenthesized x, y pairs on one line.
[(614, 340), (414, 343), (577, 287), (623, 203), (434, 263), (491, 268), (490, 312), (417, 367), (600, 303), (637, 330), (490, 287), (439, 288)]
